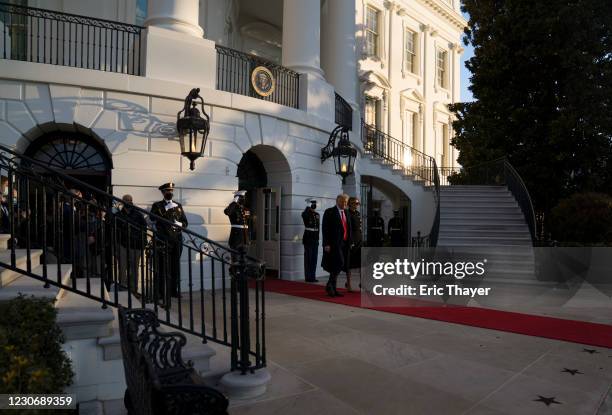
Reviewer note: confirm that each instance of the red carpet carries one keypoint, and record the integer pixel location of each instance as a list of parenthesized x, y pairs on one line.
[(549, 327)]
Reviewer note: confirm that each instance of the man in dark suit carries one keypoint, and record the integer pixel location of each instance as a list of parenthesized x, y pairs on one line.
[(336, 242), (172, 239)]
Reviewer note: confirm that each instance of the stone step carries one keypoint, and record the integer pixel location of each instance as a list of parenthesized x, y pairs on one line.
[(465, 226), (32, 287), (471, 217), (469, 203), (21, 262), (80, 317), (4, 238), (503, 252), (471, 211), (474, 189), (451, 232), (509, 264), (478, 203), (484, 240)]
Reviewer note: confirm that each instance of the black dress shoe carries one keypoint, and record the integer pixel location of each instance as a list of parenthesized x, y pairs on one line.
[(315, 280), (330, 292), (337, 294)]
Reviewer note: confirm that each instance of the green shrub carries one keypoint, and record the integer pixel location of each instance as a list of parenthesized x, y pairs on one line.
[(583, 219), (31, 358)]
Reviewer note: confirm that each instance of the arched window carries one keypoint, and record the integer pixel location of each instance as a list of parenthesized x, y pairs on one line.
[(74, 154)]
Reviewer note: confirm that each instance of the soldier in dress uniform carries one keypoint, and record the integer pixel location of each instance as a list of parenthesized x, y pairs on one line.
[(239, 218), (376, 229), (172, 240), (310, 239), (396, 230)]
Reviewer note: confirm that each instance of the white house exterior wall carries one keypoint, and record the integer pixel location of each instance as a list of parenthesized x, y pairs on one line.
[(135, 117), (384, 76)]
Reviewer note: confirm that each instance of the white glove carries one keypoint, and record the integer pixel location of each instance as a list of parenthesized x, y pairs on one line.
[(177, 223)]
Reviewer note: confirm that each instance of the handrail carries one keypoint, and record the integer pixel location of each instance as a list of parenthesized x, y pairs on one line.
[(98, 242), (235, 74), (117, 201), (500, 172), (411, 162), (57, 38), (400, 155), (69, 17), (517, 187)]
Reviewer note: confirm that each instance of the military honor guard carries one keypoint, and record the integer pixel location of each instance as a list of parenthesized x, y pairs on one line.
[(239, 219), (170, 231), (310, 239), (396, 230), (376, 229)]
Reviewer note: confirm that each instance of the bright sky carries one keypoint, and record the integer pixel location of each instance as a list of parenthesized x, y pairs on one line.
[(466, 95)]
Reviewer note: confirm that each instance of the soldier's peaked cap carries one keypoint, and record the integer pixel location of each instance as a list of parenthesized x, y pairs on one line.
[(311, 200), (240, 193), (166, 186)]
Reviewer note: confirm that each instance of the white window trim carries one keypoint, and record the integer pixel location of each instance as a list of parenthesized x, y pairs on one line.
[(379, 35), (446, 79)]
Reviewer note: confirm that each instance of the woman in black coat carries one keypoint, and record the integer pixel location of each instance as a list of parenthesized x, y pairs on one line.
[(356, 240)]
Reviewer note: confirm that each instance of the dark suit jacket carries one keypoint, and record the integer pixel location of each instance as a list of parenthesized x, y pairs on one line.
[(176, 213), (336, 259)]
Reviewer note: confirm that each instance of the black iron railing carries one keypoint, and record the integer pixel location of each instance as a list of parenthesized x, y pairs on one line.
[(235, 71), (343, 113), (44, 36), (446, 173), (131, 258), (410, 162), (398, 154), (500, 172)]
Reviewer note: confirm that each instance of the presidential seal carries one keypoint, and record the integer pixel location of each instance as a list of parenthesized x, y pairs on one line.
[(263, 81)]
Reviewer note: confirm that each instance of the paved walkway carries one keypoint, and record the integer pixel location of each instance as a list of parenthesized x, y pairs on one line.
[(332, 359)]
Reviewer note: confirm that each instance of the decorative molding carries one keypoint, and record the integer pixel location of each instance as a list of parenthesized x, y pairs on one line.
[(446, 12)]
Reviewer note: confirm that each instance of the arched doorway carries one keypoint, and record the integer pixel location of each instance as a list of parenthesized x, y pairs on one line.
[(264, 173), (380, 194), (76, 155)]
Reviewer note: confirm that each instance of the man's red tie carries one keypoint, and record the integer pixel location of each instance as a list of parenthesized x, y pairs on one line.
[(344, 225)]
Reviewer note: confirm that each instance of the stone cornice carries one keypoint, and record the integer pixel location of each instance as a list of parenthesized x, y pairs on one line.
[(446, 12)]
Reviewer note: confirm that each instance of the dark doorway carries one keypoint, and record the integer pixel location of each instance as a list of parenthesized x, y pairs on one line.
[(251, 176), (264, 204)]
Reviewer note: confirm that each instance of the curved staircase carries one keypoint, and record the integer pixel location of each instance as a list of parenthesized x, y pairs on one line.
[(487, 221)]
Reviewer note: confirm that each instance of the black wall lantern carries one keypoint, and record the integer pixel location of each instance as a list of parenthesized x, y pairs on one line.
[(344, 153), (192, 128)]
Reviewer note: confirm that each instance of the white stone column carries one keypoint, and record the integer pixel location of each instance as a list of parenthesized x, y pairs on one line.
[(175, 49), (302, 36), (302, 53), (338, 48), (178, 15)]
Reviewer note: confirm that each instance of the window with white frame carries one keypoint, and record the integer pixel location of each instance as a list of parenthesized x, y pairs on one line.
[(410, 123), (372, 31), (445, 144), (410, 44), (442, 68), (371, 111)]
